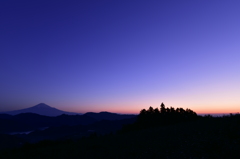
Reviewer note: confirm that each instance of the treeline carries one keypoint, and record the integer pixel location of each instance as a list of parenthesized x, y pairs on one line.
[(161, 117)]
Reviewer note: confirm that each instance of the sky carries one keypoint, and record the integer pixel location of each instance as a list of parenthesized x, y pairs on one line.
[(120, 55)]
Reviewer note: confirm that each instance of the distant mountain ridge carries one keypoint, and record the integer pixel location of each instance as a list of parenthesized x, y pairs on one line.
[(30, 121), (108, 116), (42, 122), (42, 116), (41, 109), (32, 128)]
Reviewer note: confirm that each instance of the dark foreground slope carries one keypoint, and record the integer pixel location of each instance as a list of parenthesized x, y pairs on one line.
[(203, 138)]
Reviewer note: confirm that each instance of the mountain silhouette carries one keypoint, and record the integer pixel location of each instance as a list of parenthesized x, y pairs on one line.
[(30, 119), (108, 116), (41, 109)]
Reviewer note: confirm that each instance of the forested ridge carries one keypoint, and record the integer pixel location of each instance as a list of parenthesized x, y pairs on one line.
[(161, 117)]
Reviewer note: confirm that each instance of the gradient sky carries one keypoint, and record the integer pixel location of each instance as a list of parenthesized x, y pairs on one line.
[(120, 55)]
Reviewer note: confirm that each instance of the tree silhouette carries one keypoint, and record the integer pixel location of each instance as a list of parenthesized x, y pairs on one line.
[(151, 110), (143, 112), (164, 116), (156, 111), (162, 108)]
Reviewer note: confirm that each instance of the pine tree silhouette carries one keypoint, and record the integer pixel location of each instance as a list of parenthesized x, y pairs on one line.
[(164, 116)]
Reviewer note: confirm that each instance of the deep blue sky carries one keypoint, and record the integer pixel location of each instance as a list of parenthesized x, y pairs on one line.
[(120, 55)]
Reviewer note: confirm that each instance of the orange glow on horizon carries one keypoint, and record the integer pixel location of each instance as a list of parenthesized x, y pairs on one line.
[(216, 112), (127, 107), (137, 111)]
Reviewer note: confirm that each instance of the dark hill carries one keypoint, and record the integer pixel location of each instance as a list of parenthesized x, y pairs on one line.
[(5, 116), (108, 116), (74, 119), (30, 121)]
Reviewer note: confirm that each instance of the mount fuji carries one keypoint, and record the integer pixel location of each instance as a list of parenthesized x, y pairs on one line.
[(41, 109)]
